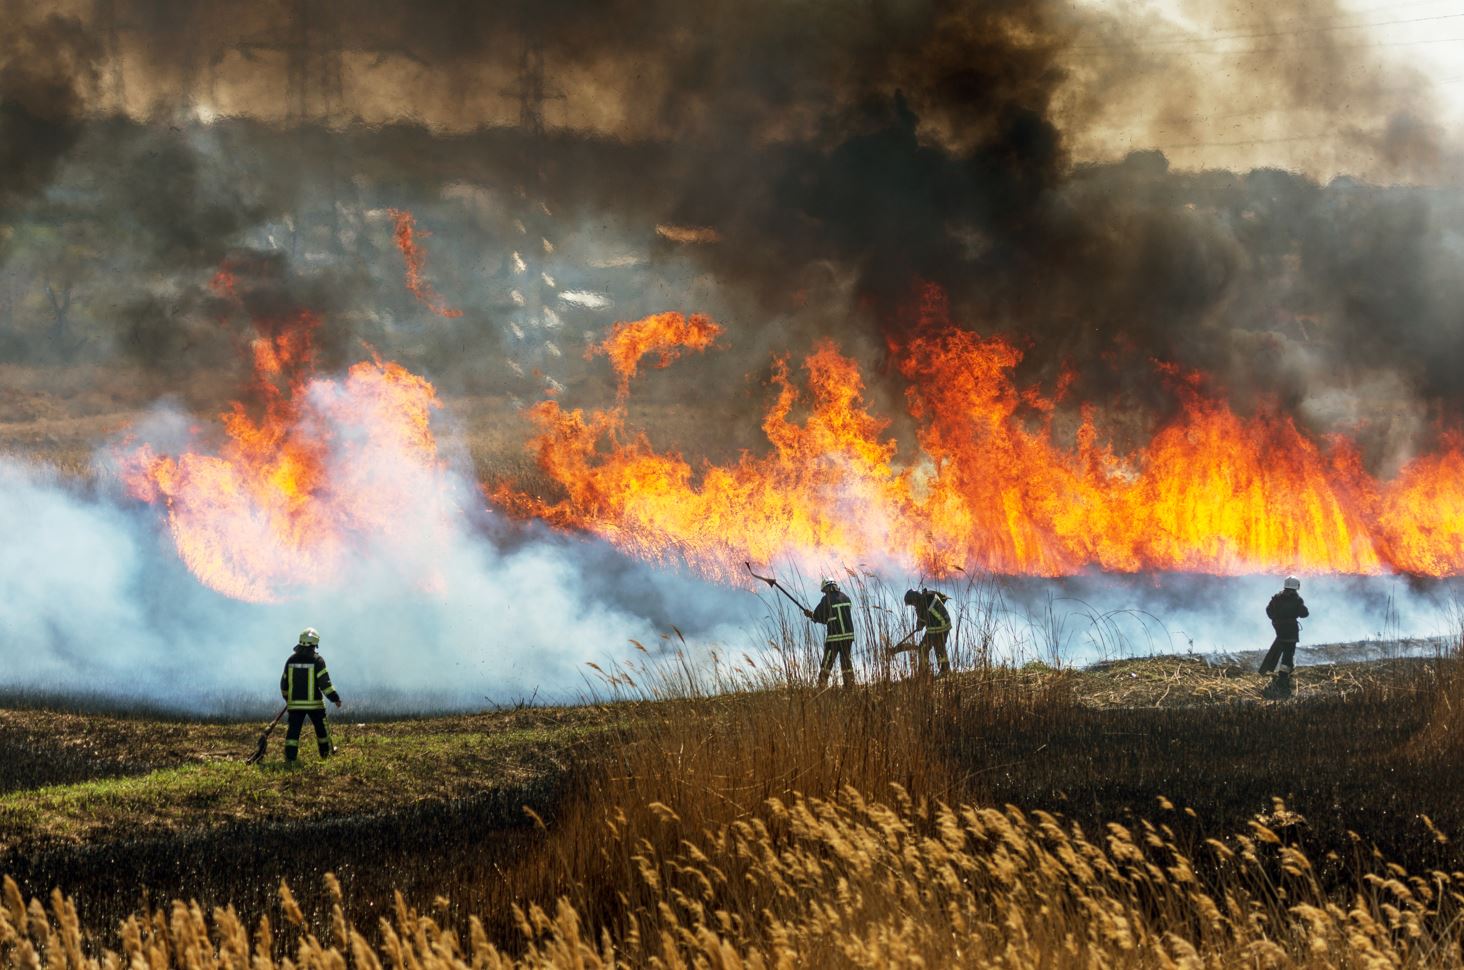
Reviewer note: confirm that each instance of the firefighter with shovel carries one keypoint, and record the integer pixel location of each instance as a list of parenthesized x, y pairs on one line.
[(934, 617), (305, 684)]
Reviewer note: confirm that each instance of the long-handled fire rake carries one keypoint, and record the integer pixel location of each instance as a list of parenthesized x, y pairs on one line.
[(773, 582), (258, 754), (905, 642)]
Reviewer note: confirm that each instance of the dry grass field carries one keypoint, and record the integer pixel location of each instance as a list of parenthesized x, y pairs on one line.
[(1004, 818), (1162, 812)]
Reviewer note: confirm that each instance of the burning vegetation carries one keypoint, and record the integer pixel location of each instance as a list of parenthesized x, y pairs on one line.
[(286, 498), (1282, 340), (1148, 368), (664, 334), (990, 487), (408, 239)]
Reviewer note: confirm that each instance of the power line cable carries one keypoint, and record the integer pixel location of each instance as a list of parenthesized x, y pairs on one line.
[(1248, 52), (1220, 38), (1222, 34)]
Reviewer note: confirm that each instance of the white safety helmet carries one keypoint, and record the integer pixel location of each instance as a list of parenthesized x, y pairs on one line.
[(1292, 583), (310, 637), (826, 584)]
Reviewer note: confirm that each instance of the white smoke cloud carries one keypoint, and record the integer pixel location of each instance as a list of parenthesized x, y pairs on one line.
[(1083, 619), (453, 608), (622, 261), (430, 613)]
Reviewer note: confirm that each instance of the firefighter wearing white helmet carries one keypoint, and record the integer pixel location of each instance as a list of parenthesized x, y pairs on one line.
[(836, 612), (1285, 610), (305, 685)]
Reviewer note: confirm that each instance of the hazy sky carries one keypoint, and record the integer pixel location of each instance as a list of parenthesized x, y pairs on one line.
[(1311, 85), (1350, 67)]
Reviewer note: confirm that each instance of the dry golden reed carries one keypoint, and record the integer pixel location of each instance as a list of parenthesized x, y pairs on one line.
[(790, 827), (854, 882)]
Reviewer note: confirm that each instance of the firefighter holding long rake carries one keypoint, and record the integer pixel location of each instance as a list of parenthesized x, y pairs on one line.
[(835, 612)]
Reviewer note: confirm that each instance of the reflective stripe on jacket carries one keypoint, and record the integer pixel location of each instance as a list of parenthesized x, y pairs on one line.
[(305, 683), (935, 617), (837, 612)]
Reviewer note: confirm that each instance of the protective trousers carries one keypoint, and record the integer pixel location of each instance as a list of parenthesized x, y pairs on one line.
[(292, 733), (843, 649), (933, 642), (1282, 650)]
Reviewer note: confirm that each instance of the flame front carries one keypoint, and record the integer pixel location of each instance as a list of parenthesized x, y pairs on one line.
[(316, 469), (286, 499), (989, 485)]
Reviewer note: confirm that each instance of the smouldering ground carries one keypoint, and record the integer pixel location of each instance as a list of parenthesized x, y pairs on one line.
[(1191, 681)]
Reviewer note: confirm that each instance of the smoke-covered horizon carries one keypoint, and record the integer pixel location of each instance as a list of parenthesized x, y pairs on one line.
[(809, 174)]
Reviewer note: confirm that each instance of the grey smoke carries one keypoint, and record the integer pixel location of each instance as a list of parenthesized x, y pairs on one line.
[(44, 71), (1097, 617), (842, 160)]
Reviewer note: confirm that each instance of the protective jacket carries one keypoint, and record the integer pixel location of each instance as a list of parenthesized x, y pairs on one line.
[(305, 682), (837, 612), (931, 613), (1285, 608)]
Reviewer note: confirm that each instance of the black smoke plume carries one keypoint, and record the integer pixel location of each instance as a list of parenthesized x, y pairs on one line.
[(838, 159)]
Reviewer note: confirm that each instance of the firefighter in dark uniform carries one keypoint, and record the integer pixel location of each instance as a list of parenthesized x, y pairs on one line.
[(1285, 609), (836, 612), (934, 617), (305, 685)]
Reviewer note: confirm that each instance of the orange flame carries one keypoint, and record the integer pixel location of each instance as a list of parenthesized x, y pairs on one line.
[(1421, 513), (224, 284), (287, 498), (990, 486), (414, 259), (663, 333)]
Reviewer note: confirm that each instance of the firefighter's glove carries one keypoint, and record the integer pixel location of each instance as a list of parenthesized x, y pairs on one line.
[(337, 702), (808, 613)]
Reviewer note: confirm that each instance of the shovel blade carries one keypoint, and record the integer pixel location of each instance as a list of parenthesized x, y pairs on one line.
[(258, 754)]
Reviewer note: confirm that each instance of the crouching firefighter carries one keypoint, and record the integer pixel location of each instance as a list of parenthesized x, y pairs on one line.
[(1285, 609), (835, 612), (934, 617), (304, 685)]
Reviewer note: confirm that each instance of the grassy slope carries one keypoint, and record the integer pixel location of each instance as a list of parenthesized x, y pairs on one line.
[(116, 778), (70, 778)]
